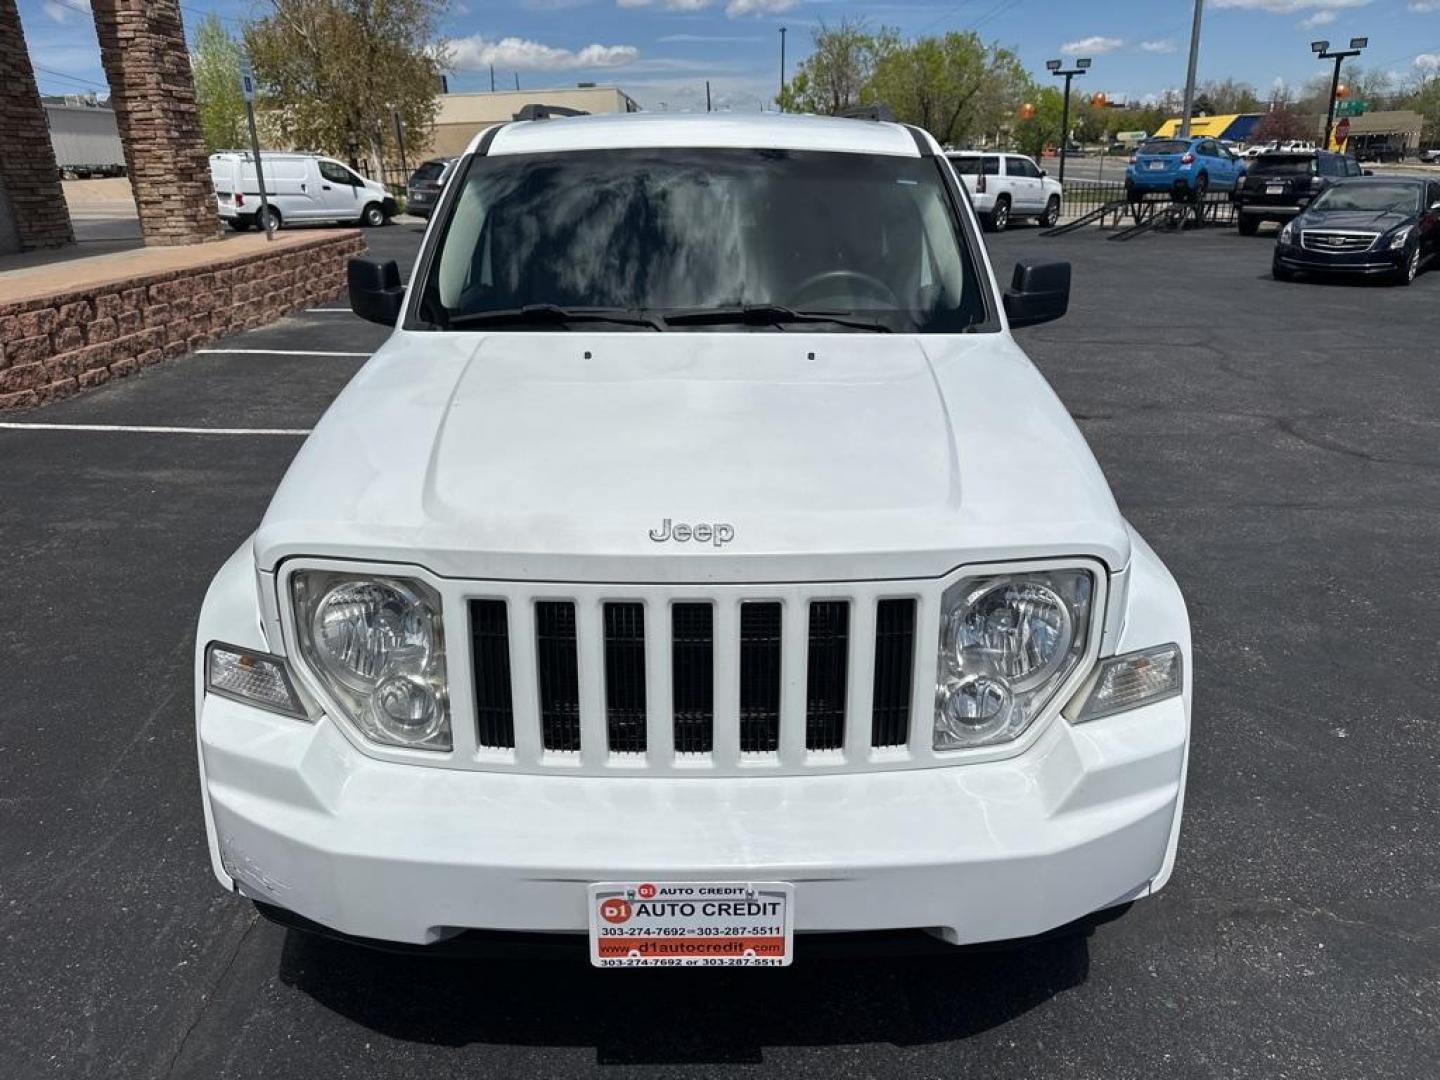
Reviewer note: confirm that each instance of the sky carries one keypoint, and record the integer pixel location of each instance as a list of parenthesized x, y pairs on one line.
[(662, 51)]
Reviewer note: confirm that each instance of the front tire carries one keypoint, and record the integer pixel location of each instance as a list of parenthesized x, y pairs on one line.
[(1410, 271), (373, 216), (1051, 217), (271, 215), (1000, 216)]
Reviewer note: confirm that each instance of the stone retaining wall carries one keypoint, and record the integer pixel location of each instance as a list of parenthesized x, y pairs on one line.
[(52, 346)]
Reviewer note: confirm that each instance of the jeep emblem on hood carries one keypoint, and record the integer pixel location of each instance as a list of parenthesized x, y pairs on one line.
[(718, 533)]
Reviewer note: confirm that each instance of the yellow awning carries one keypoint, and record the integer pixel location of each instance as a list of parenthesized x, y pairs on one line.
[(1200, 126)]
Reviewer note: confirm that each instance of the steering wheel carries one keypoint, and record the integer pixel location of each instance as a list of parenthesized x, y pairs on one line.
[(827, 280)]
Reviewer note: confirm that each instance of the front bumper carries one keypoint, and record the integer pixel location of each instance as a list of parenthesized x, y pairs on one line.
[(1293, 257), (1086, 818)]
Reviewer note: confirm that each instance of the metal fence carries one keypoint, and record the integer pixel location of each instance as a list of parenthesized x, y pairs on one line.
[(1083, 196)]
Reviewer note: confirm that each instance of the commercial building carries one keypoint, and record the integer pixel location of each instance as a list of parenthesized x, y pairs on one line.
[(462, 116)]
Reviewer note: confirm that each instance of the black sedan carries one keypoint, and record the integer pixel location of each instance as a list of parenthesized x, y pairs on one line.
[(1388, 226)]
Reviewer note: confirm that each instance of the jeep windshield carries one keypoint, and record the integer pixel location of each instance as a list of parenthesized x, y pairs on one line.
[(717, 239)]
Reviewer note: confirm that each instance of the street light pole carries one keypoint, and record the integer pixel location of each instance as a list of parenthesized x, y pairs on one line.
[(1321, 49), (782, 69), (1189, 112), (1057, 67)]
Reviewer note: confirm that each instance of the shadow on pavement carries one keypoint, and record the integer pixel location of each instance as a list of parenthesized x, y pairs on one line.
[(682, 1017)]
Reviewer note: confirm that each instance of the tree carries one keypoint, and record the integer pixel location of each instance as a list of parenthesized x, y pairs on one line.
[(955, 86), (1227, 96), (1282, 125), (1043, 129), (333, 70), (831, 78), (216, 64)]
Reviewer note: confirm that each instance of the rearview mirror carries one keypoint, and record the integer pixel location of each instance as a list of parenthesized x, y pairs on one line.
[(375, 290), (1039, 292)]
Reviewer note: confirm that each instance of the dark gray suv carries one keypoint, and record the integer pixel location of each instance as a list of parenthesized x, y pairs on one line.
[(426, 184)]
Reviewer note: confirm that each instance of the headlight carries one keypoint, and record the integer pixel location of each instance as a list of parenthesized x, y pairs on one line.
[(1400, 237), (1287, 234), (378, 646), (1007, 643)]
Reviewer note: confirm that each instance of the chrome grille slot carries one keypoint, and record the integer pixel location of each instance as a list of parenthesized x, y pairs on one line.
[(692, 674), (825, 675), (894, 670), (625, 678), (490, 643), (558, 673), (760, 678)]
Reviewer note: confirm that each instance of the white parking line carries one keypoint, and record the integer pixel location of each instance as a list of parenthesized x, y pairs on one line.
[(327, 310), (276, 352), (149, 429)]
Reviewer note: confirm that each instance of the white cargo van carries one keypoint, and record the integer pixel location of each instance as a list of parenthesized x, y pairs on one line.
[(299, 187)]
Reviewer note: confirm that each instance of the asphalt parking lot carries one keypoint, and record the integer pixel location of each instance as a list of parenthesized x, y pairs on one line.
[(1279, 445)]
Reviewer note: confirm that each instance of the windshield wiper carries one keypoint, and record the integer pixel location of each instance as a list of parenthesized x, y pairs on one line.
[(550, 314), (769, 315)]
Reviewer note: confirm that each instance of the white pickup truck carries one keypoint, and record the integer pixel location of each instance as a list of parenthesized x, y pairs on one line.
[(700, 564), (1003, 187)]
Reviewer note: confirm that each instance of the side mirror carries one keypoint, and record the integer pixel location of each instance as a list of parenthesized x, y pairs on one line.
[(1043, 173), (1039, 292), (375, 290)]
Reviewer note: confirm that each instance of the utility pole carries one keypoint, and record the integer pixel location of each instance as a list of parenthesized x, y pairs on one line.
[(782, 68), (400, 142), (517, 80), (1190, 74), (707, 95), (492, 78), (1321, 49), (1057, 67), (247, 90)]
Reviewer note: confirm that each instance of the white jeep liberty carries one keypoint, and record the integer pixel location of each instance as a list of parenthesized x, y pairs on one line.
[(699, 564)]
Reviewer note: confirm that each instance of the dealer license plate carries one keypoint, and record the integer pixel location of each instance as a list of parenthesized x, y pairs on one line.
[(1155, 166), (1274, 189), (692, 924)]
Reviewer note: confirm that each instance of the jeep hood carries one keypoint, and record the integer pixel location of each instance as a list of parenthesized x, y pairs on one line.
[(828, 456)]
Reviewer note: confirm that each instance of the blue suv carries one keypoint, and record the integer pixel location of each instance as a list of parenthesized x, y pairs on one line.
[(1183, 168)]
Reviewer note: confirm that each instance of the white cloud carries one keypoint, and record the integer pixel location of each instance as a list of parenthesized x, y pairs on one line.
[(739, 8), (668, 5), (1097, 45), (63, 12), (475, 53), (1320, 18), (1290, 7), (1429, 62), (1423, 7), (1165, 46)]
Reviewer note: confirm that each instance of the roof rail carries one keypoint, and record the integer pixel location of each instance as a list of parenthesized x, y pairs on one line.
[(545, 112), (868, 112)]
